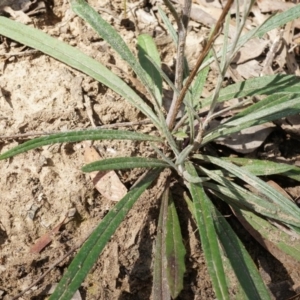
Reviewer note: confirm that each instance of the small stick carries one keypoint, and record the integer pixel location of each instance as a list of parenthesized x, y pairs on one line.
[(217, 30), (271, 54), (89, 109)]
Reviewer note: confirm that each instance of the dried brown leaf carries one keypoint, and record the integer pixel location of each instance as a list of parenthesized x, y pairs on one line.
[(107, 183), (249, 139), (45, 239)]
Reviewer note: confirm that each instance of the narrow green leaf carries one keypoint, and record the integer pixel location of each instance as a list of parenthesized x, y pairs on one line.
[(264, 167), (290, 106), (266, 231), (241, 262), (77, 136), (224, 58), (175, 251), (266, 85), (167, 22), (291, 175), (274, 22), (188, 101), (286, 210), (118, 163), (78, 60), (147, 47), (242, 197), (268, 101), (160, 287), (183, 155), (190, 205), (278, 20), (163, 75), (199, 83), (208, 236), (108, 33), (174, 36), (73, 57), (166, 159), (91, 249), (283, 108)]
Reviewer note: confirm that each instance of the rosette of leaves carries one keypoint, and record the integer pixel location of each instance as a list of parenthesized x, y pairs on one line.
[(181, 149)]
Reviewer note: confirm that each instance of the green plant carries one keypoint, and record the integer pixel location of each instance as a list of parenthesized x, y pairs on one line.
[(204, 176)]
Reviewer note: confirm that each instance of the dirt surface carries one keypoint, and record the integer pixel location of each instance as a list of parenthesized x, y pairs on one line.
[(38, 188)]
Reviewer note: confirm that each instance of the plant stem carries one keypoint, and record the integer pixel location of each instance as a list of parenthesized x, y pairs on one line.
[(217, 30), (182, 24)]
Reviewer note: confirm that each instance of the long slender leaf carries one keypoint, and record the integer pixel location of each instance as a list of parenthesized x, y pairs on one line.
[(167, 22), (286, 108), (242, 197), (78, 60), (175, 251), (263, 167), (147, 47), (286, 210), (283, 108), (266, 85), (277, 20), (190, 205), (266, 233), (90, 251), (163, 75), (208, 235), (199, 82), (160, 286), (174, 36), (108, 33), (73, 57), (118, 163), (77, 136), (224, 58), (241, 262), (114, 39), (268, 101), (274, 22), (293, 172)]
